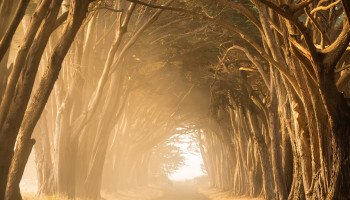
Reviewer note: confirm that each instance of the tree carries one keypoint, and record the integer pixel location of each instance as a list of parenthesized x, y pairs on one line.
[(21, 79)]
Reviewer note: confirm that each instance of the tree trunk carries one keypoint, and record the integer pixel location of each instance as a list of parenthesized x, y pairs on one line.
[(280, 186), (264, 157), (339, 117), (36, 107)]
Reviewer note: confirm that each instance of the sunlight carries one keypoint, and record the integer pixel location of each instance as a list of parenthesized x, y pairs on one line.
[(193, 161), (174, 100), (191, 170)]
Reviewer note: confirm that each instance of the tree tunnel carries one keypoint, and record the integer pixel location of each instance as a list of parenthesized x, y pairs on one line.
[(100, 91)]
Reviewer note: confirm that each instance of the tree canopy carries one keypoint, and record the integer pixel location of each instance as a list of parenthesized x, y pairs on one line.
[(99, 88)]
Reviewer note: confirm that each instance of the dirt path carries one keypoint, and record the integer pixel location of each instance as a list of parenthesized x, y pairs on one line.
[(182, 192)]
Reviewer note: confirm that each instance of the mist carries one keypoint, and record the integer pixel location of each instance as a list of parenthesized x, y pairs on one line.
[(207, 100)]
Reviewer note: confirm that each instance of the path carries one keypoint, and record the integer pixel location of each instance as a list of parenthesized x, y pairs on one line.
[(182, 192)]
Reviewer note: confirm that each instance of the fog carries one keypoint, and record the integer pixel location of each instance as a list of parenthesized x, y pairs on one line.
[(193, 165), (116, 123), (178, 99)]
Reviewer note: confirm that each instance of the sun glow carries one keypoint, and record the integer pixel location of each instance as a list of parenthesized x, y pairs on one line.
[(193, 161)]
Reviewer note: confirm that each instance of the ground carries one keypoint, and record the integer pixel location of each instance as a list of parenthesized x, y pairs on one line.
[(175, 192), (214, 194), (183, 192)]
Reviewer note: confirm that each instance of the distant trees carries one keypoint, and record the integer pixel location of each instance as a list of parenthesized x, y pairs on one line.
[(167, 157), (140, 149)]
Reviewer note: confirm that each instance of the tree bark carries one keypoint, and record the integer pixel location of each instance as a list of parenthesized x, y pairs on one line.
[(280, 186), (24, 144), (264, 158)]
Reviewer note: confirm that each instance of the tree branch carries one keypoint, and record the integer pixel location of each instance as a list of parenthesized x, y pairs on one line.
[(305, 63), (318, 26), (333, 53), (318, 8), (110, 9), (244, 36), (301, 5), (243, 10), (6, 40), (258, 66), (343, 80), (59, 21), (288, 13)]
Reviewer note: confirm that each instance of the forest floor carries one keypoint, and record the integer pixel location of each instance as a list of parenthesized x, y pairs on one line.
[(178, 192), (175, 192), (214, 194), (183, 192), (137, 193)]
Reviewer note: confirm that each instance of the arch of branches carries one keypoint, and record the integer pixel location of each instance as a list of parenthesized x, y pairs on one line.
[(93, 86)]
